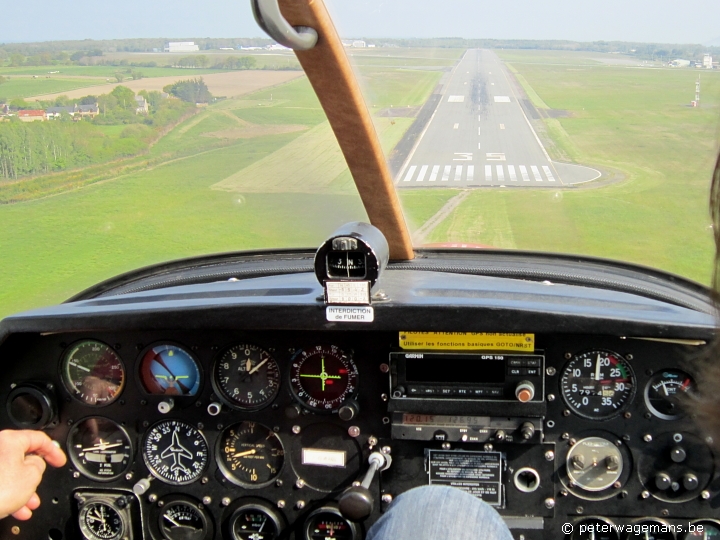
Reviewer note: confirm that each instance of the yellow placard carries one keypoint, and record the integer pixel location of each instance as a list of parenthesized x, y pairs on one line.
[(467, 341)]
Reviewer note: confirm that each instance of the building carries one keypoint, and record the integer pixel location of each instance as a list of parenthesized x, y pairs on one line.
[(142, 105), (359, 44), (31, 116), (277, 47), (181, 47), (76, 111), (680, 63), (707, 61)]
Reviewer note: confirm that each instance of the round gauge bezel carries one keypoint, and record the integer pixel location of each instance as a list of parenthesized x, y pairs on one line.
[(171, 501), (151, 468), (76, 460), (714, 522), (628, 399), (185, 398), (228, 473), (646, 394), (88, 533), (649, 521), (222, 394), (603, 520), (72, 390), (257, 505), (327, 510), (296, 388)]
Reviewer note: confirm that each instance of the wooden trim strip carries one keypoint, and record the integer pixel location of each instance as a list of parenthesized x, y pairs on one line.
[(333, 80)]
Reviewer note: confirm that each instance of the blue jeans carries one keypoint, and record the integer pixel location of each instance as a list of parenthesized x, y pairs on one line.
[(436, 513)]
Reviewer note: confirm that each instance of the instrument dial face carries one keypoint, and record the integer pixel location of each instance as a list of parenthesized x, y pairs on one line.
[(329, 525), (93, 373), (664, 392), (175, 452), (100, 449), (250, 454), (594, 464), (597, 384), (254, 523), (182, 520), (100, 521), (169, 370), (247, 377), (323, 377)]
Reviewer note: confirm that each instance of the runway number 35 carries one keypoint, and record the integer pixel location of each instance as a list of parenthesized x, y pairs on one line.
[(463, 156)]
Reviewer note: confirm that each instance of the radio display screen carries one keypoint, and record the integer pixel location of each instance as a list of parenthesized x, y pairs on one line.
[(450, 368)]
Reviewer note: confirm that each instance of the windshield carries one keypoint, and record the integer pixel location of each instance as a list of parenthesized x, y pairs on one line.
[(524, 132)]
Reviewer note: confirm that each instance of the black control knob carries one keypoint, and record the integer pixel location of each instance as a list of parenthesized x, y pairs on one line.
[(440, 435), (690, 481), (612, 463), (662, 481), (500, 435), (678, 454), (527, 430), (349, 410), (398, 392), (356, 503), (293, 411), (578, 462)]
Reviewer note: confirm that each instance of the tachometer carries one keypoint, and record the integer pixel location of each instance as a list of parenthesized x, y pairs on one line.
[(246, 377), (93, 373), (169, 370), (597, 384), (175, 452), (664, 392), (323, 377)]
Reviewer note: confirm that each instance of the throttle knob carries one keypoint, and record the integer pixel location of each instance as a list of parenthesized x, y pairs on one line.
[(525, 391)]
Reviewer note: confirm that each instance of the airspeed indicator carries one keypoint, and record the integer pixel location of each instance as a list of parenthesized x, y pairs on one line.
[(597, 384)]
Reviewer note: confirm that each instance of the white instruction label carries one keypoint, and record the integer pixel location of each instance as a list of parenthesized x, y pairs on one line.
[(347, 292), (350, 314), (323, 458)]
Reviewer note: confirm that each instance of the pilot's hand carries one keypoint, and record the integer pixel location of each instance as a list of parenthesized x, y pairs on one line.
[(23, 455)]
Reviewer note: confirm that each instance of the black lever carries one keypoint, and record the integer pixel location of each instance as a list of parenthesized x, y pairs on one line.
[(356, 503)]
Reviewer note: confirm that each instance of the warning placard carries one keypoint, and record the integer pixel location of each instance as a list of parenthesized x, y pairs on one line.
[(477, 473), (466, 341)]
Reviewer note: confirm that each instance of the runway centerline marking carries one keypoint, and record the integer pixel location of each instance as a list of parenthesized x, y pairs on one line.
[(479, 146), (446, 174), (434, 173), (423, 170), (410, 173), (502, 126), (456, 125)]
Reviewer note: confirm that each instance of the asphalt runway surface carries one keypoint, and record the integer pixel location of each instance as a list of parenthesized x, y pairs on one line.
[(479, 136)]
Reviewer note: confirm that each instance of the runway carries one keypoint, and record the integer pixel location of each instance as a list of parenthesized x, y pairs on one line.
[(479, 136)]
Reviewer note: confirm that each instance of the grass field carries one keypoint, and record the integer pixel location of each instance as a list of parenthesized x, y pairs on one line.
[(23, 87), (55, 246)]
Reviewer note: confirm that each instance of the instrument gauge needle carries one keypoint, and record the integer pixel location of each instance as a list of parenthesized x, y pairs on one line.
[(248, 366), (665, 388), (171, 520), (597, 368), (101, 447), (245, 453), (261, 364)]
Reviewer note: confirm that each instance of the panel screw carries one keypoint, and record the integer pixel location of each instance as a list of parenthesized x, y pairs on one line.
[(386, 450), (568, 356), (372, 441), (300, 505), (709, 440), (225, 501), (563, 492), (446, 446), (296, 429), (623, 494), (384, 368), (645, 494), (204, 480), (15, 530), (629, 356), (387, 498), (665, 512), (565, 436), (76, 474), (152, 498), (551, 397), (281, 504), (549, 455), (299, 483), (488, 447), (354, 431), (579, 509), (551, 371), (278, 482), (647, 437), (385, 420), (566, 412), (384, 397), (549, 503), (617, 485), (206, 500), (628, 415), (201, 425), (161, 504), (129, 476), (705, 494), (572, 442)]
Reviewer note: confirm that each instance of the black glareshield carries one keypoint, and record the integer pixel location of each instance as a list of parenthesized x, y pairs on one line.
[(355, 252)]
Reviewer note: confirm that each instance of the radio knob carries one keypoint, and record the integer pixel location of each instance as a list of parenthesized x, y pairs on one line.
[(525, 391), (527, 430)]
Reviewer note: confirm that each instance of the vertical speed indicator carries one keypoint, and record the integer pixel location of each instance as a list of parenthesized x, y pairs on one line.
[(597, 384)]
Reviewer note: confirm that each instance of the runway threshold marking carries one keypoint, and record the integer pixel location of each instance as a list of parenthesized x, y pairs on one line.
[(456, 125), (421, 175), (488, 173), (548, 173), (456, 99), (458, 173), (410, 173), (524, 173), (446, 173), (502, 99), (434, 173), (502, 126), (536, 173), (470, 173), (511, 173), (500, 173)]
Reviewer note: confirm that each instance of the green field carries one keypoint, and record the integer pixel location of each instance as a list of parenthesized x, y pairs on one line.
[(264, 171), (55, 246), (24, 87)]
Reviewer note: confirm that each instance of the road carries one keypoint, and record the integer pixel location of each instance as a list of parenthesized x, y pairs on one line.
[(479, 136)]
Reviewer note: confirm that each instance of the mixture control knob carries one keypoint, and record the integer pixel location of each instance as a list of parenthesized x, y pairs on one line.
[(525, 391), (527, 430), (690, 481), (662, 481), (348, 411), (678, 454), (578, 462), (612, 463)]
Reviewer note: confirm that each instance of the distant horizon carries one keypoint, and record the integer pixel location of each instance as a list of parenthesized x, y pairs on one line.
[(639, 21)]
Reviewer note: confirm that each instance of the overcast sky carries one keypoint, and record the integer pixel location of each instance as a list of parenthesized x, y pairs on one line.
[(580, 20)]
